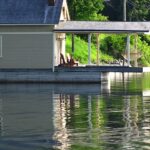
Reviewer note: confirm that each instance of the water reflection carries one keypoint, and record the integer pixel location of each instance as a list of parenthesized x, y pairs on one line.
[(1, 118), (77, 117)]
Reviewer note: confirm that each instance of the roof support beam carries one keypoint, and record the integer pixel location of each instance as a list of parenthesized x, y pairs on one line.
[(89, 49), (73, 44), (136, 51), (128, 50), (98, 47), (124, 10), (53, 52)]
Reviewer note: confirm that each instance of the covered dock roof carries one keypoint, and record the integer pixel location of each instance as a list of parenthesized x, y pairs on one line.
[(102, 27)]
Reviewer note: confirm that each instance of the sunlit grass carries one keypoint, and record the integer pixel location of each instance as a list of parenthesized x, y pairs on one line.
[(81, 51)]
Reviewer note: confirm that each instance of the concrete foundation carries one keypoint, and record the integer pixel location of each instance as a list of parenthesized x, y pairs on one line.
[(47, 76), (88, 74)]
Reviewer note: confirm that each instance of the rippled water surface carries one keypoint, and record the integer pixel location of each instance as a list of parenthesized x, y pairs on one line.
[(107, 116)]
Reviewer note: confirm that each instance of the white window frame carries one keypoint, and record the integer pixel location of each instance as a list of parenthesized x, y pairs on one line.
[(1, 46)]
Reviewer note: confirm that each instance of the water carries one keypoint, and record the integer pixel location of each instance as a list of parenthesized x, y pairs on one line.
[(111, 116)]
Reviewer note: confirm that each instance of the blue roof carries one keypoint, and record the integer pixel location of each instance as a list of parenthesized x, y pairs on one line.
[(29, 12)]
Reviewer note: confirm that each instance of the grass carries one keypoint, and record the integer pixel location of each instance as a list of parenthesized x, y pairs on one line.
[(81, 51)]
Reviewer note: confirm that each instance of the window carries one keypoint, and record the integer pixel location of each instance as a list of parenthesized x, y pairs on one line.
[(1, 46), (51, 2), (64, 13)]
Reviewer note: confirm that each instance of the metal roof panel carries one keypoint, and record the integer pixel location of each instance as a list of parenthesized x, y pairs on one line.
[(103, 27), (29, 12)]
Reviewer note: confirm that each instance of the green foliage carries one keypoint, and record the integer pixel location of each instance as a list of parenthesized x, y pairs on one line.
[(146, 38), (113, 45), (138, 10), (86, 10), (145, 81), (144, 47), (114, 10), (83, 147), (81, 51)]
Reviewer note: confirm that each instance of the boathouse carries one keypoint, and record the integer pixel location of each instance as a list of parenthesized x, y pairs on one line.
[(32, 37), (32, 33), (26, 32)]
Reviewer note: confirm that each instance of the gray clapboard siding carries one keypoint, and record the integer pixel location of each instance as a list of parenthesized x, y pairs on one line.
[(27, 51)]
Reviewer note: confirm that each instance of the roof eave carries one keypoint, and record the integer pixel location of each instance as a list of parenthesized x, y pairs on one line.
[(99, 31), (27, 24)]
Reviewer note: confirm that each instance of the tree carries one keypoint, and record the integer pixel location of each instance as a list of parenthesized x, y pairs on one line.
[(86, 9), (114, 10), (138, 10)]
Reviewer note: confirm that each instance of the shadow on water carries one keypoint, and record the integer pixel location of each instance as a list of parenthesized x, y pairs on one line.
[(112, 115)]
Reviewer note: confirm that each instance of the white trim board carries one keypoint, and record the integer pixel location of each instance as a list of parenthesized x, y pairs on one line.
[(27, 24), (1, 46), (1, 33)]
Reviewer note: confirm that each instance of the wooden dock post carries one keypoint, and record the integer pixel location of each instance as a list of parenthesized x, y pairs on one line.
[(98, 47), (72, 43), (135, 60), (128, 49), (89, 48)]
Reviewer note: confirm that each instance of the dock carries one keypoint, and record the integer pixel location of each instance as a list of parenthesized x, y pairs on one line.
[(90, 68), (87, 74)]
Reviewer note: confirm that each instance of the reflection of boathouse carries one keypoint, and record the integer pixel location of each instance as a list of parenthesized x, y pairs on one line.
[(73, 115), (1, 118), (75, 110)]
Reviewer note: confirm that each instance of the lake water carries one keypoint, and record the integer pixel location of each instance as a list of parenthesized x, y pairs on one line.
[(107, 116)]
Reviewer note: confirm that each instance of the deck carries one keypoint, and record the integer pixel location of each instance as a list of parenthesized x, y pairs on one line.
[(122, 69)]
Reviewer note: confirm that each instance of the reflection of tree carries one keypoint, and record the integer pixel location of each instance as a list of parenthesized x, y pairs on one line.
[(90, 122), (137, 122), (131, 118), (146, 110), (94, 121), (64, 106), (135, 108), (146, 81), (146, 118), (82, 114), (131, 111), (129, 82)]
